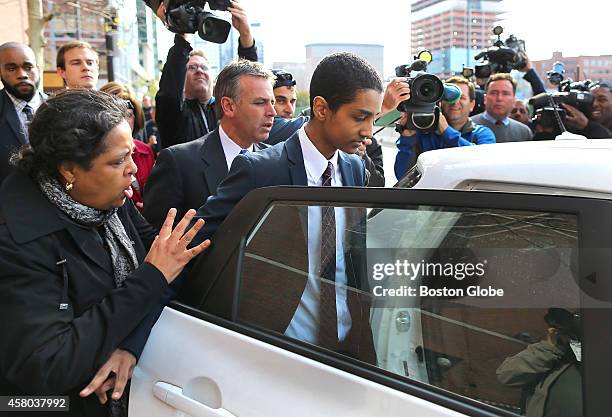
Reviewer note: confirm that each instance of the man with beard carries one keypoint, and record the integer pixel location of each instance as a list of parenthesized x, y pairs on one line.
[(19, 99)]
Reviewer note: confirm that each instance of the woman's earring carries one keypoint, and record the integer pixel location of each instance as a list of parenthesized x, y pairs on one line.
[(69, 186)]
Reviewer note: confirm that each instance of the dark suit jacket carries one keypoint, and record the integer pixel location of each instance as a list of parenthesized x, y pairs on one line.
[(11, 132), (282, 164), (184, 176), (270, 296)]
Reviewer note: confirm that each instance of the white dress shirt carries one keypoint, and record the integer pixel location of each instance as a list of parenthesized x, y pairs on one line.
[(20, 104), (305, 322), (230, 148)]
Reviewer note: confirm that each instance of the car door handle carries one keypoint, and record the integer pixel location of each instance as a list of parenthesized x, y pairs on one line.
[(174, 397)]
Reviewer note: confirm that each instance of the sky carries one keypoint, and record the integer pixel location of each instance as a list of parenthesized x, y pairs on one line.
[(575, 28)]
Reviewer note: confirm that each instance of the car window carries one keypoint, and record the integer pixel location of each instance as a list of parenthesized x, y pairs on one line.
[(498, 319)]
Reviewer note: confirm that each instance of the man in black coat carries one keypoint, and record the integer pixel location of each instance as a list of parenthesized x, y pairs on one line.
[(185, 175), (183, 118), (19, 99)]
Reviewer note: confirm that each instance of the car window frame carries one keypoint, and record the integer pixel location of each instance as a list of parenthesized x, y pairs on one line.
[(247, 214)]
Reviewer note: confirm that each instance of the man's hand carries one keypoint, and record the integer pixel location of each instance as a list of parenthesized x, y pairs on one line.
[(121, 364), (241, 23), (575, 118), (152, 141), (528, 65), (442, 124), (361, 151), (402, 122), (396, 92)]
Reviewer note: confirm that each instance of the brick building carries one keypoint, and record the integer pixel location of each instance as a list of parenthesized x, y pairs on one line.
[(578, 68)]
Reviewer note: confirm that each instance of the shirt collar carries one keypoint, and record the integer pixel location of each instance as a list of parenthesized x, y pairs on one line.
[(230, 148), (314, 162), (19, 104), (487, 116)]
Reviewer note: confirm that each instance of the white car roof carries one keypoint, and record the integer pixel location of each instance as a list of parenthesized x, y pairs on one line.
[(581, 167)]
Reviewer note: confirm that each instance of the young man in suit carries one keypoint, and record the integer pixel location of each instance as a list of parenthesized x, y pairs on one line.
[(185, 175), (319, 307), (345, 96), (19, 98)]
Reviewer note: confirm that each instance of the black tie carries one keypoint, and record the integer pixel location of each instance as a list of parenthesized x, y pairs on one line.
[(29, 114), (328, 327)]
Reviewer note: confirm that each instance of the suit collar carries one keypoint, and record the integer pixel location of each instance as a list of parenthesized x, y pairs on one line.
[(215, 168), (348, 176), (297, 170), (12, 118), (29, 216)]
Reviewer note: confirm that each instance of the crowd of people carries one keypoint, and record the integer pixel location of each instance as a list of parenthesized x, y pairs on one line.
[(105, 198)]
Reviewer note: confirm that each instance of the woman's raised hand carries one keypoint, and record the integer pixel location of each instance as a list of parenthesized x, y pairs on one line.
[(169, 251)]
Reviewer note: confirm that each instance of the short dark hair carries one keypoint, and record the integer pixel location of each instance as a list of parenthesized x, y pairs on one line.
[(228, 80), (501, 76), (61, 60), (70, 127), (461, 80), (339, 77)]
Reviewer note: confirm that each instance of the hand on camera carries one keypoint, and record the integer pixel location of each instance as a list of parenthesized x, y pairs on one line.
[(396, 92), (241, 23), (442, 124), (402, 122), (169, 251), (574, 117)]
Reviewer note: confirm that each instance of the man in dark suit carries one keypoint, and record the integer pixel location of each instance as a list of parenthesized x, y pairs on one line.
[(345, 96), (19, 98), (185, 175)]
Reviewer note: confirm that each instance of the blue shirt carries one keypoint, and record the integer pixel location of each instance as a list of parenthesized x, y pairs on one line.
[(410, 147)]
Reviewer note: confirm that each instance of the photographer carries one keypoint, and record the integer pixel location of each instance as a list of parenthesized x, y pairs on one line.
[(549, 371), (455, 128), (183, 119), (598, 125)]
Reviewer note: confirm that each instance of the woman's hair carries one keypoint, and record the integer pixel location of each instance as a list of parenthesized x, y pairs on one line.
[(70, 127), (123, 91)]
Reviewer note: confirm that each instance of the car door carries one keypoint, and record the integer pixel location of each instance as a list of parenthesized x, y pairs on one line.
[(226, 346)]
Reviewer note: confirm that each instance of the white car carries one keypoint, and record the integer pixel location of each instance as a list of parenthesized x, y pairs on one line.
[(215, 352)]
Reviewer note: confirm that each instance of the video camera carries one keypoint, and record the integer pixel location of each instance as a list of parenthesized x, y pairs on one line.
[(547, 106), (189, 16), (501, 57), (426, 90)]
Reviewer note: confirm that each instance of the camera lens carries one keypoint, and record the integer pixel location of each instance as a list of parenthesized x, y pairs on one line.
[(427, 88)]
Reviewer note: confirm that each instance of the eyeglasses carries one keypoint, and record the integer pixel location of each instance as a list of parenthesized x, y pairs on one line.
[(283, 79), (129, 104), (195, 67)]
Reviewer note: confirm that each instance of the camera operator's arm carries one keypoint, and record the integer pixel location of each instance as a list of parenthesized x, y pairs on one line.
[(577, 122), (532, 77), (169, 98), (246, 43), (531, 364), (371, 153), (407, 149), (452, 138), (397, 91)]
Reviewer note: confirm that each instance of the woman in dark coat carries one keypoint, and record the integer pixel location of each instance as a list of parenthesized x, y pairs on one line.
[(78, 290)]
